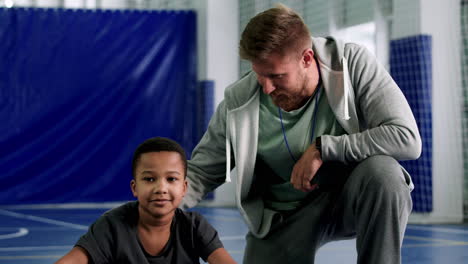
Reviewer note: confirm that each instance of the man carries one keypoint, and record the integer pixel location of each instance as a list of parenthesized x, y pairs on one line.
[(315, 132)]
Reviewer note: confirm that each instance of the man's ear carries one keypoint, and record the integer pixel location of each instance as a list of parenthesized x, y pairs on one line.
[(308, 57), (133, 187)]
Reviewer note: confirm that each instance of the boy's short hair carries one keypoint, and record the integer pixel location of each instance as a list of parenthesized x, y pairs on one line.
[(158, 144), (279, 30)]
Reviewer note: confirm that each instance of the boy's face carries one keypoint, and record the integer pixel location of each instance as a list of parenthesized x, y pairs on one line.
[(159, 183)]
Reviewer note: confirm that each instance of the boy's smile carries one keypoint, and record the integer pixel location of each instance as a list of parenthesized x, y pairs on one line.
[(159, 183), (160, 202)]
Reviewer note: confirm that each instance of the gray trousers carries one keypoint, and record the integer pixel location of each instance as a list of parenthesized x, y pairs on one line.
[(371, 204)]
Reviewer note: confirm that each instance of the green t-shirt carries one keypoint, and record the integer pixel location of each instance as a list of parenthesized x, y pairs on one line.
[(273, 151)]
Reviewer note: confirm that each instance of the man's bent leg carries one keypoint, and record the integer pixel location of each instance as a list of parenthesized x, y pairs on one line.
[(293, 238), (375, 203)]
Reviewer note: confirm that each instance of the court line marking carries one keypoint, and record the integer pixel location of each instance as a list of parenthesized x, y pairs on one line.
[(325, 248), (7, 249), (437, 240), (223, 218), (440, 242), (108, 205), (438, 229), (43, 220), (433, 245), (36, 228), (232, 252), (31, 257), (226, 238), (428, 245), (21, 232)]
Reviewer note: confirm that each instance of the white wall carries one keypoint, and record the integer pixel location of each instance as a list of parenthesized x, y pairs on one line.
[(218, 30), (17, 3), (48, 3), (222, 44), (441, 20), (222, 63), (74, 3), (117, 4), (406, 18)]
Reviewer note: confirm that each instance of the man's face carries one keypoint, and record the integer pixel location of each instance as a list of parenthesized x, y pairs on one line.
[(159, 183), (284, 78)]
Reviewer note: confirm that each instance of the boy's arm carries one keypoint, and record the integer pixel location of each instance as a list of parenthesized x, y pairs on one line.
[(77, 255), (207, 242), (220, 256)]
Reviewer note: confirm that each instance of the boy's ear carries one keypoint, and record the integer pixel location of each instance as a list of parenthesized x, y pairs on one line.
[(185, 187), (133, 187)]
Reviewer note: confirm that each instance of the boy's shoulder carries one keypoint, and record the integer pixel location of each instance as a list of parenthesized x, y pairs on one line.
[(125, 208), (188, 216), (192, 220), (194, 230), (127, 212)]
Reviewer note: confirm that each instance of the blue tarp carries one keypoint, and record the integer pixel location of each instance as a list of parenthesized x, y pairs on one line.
[(80, 89)]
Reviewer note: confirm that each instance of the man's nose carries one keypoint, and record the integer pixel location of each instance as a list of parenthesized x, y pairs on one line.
[(267, 85)]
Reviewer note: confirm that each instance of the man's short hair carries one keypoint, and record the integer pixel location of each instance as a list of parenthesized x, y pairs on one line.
[(277, 30), (158, 144)]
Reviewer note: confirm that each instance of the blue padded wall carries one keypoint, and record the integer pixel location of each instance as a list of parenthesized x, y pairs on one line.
[(411, 67), (205, 109), (205, 105), (80, 89)]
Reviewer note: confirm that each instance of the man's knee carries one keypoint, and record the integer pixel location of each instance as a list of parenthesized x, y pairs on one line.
[(381, 174)]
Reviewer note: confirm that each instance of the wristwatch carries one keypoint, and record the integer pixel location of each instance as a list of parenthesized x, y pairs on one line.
[(318, 145)]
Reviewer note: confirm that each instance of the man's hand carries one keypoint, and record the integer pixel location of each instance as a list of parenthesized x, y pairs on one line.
[(306, 168)]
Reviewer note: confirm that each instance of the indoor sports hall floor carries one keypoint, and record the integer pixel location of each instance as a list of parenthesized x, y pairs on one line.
[(42, 235)]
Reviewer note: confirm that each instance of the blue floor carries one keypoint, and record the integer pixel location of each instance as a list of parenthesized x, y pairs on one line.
[(44, 235)]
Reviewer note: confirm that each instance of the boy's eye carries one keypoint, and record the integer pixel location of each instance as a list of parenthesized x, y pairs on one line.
[(171, 179), (148, 179)]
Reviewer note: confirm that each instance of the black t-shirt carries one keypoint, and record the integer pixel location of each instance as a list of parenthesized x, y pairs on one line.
[(113, 238)]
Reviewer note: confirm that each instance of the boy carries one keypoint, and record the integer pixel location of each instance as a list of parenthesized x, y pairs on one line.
[(152, 229)]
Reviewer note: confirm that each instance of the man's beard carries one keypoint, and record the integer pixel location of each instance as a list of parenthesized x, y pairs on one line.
[(287, 102), (291, 101)]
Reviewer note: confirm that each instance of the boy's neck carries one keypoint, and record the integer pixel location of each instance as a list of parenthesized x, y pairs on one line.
[(154, 232), (150, 222)]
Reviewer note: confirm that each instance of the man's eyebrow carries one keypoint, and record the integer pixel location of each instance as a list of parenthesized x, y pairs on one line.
[(271, 74)]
